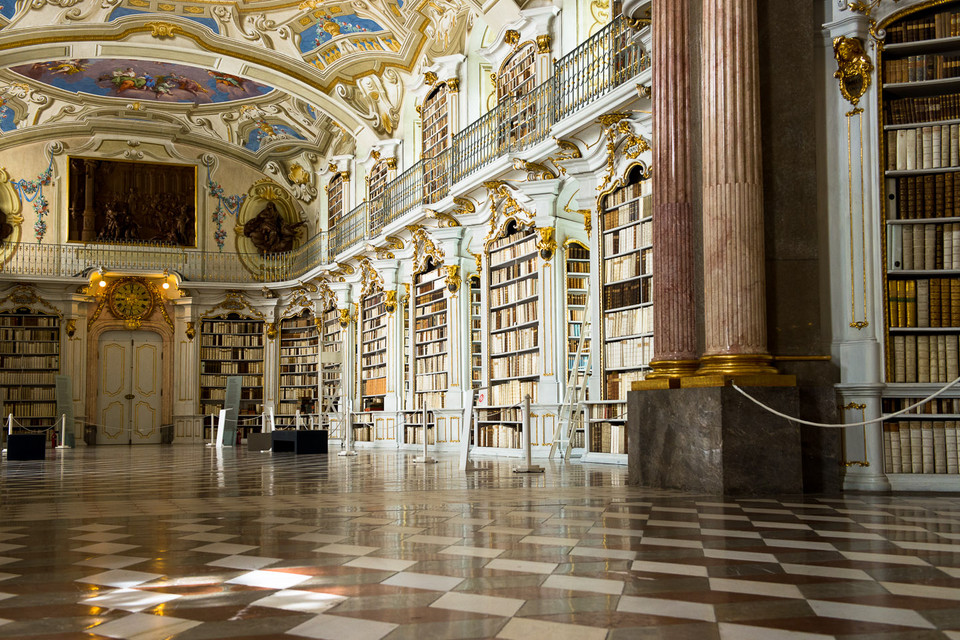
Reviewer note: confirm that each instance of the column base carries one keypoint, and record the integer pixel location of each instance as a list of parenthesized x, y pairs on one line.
[(863, 482), (672, 369), (737, 364)]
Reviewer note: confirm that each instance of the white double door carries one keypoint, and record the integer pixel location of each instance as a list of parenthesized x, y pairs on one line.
[(129, 400)]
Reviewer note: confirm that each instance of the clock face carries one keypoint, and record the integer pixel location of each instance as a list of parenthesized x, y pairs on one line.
[(131, 299)]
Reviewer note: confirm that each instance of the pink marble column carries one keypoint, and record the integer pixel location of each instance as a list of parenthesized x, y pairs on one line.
[(675, 345), (733, 264)]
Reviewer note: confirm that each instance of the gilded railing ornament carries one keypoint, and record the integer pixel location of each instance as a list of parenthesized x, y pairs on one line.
[(854, 68)]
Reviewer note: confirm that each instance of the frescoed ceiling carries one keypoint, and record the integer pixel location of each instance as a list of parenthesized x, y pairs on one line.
[(260, 80)]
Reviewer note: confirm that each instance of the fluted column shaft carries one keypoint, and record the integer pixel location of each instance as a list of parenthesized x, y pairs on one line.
[(734, 296), (675, 345)]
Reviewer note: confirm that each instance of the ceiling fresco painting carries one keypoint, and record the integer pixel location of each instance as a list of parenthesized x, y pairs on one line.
[(7, 119), (8, 8), (142, 80), (326, 27), (267, 132)]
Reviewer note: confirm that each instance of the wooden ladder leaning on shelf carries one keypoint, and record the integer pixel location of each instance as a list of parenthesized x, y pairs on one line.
[(573, 410)]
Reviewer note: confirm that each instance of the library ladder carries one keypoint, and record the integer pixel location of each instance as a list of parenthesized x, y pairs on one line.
[(573, 410)]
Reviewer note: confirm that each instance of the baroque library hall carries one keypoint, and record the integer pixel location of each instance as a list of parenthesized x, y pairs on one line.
[(480, 318)]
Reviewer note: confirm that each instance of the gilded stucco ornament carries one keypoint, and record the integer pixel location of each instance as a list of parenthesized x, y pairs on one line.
[(345, 318), (535, 170), (271, 330), (443, 219), (546, 242), (452, 278), (854, 68), (162, 30), (71, 327), (191, 331), (390, 301)]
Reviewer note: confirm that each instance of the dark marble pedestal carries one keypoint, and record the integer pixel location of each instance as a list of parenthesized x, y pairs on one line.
[(714, 440)]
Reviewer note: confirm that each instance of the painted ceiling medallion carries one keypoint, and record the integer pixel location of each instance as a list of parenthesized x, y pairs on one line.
[(142, 80)]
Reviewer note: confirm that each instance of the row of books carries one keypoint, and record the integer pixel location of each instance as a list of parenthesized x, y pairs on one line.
[(430, 399), (362, 433), (513, 271), (231, 353), (575, 314), (373, 324), (509, 316), (414, 435), (30, 348), (510, 246), (212, 380), (516, 291), (28, 320), (374, 359), (30, 409), (230, 340), (523, 364), (303, 322), (499, 436), (305, 368), (300, 338), (433, 364), (626, 294), (619, 384), (914, 446), (628, 192), (436, 320), (631, 212), (925, 358), (297, 352), (576, 298), (576, 266), (933, 302), (510, 415), (27, 393), (945, 24), (507, 341), (578, 282), (374, 386), (431, 308), (922, 109), (374, 310), (225, 328), (376, 342), (628, 266), (936, 406), (29, 362), (927, 66), (633, 352), (432, 348), (929, 246), (26, 377), (431, 381), (231, 368), (927, 147), (627, 239), (628, 323), (608, 438), (434, 296), (16, 335), (512, 392), (286, 393)]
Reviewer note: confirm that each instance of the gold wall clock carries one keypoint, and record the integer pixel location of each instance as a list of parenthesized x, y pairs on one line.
[(131, 300)]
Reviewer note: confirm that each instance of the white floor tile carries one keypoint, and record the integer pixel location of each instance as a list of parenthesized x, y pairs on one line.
[(676, 569), (730, 533), (526, 629), (133, 600), (867, 613), (577, 583), (320, 538), (763, 524), (442, 540), (110, 562), (105, 548), (474, 552), (668, 608), (669, 542), (489, 605), (304, 601), (550, 541), (422, 581), (523, 566), (611, 531), (600, 552), (731, 631), (756, 588), (953, 572), (800, 544), (927, 546), (327, 627), (825, 571), (884, 558), (381, 564), (243, 562), (511, 531), (347, 549), (225, 548), (270, 579), (849, 535), (745, 556), (7, 576), (922, 590), (100, 536), (120, 578), (208, 537), (142, 626)]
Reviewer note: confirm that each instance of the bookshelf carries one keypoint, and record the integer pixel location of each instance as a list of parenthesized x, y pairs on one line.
[(431, 351), (331, 368), (29, 364), (626, 257), (376, 185), (512, 336), (299, 385), (373, 363), (435, 141), (920, 101), (232, 345), (476, 334), (516, 80), (577, 285)]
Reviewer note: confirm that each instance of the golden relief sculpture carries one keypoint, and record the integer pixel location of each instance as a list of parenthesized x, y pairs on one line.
[(71, 327), (423, 248), (535, 170), (390, 301), (452, 278), (271, 330), (547, 242), (443, 219), (344, 319), (191, 331), (854, 68), (162, 30)]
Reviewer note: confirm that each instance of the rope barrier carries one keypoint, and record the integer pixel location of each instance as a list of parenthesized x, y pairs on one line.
[(849, 424)]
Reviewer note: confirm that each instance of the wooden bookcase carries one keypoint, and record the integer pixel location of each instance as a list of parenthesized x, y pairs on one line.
[(517, 79), (232, 345), (431, 351), (436, 134), (29, 364), (299, 350), (920, 102), (513, 336), (476, 333), (373, 363), (626, 257), (332, 370), (577, 287)]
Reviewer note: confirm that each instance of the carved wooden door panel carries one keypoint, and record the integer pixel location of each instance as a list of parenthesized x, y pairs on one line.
[(128, 399)]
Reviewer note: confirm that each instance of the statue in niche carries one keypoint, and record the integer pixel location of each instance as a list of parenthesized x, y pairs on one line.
[(270, 233), (6, 229)]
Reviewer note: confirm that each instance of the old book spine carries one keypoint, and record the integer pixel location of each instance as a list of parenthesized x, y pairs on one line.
[(935, 308), (906, 239), (910, 355), (953, 357), (929, 247), (926, 447), (923, 303), (899, 359), (923, 358), (896, 463), (910, 302)]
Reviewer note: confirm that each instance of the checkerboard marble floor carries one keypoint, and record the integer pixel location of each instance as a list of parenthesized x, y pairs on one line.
[(185, 542)]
